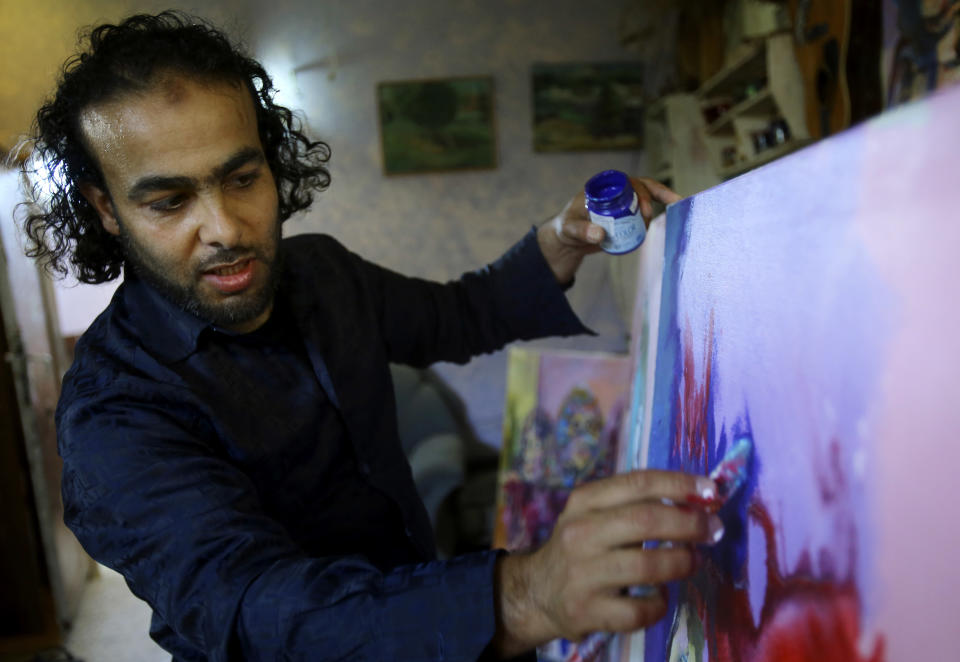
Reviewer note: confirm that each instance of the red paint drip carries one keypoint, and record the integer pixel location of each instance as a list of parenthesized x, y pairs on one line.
[(803, 618)]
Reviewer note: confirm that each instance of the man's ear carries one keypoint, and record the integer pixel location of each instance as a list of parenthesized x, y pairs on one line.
[(100, 200)]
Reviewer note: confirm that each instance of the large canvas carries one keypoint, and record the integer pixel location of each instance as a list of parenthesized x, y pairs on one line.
[(562, 420), (635, 431), (811, 307)]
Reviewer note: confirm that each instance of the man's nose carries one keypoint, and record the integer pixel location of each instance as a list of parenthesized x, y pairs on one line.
[(219, 226)]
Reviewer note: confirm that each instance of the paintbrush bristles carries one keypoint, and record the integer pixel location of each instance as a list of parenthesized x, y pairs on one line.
[(731, 473)]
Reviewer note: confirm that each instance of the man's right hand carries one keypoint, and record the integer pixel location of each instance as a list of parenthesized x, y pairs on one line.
[(575, 583)]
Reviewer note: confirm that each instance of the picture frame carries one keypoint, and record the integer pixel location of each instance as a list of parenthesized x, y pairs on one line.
[(587, 106), (437, 125)]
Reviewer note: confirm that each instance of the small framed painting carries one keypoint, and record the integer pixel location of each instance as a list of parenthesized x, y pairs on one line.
[(581, 107), (437, 125)]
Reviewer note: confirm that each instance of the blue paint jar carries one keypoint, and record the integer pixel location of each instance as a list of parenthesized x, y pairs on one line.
[(612, 204)]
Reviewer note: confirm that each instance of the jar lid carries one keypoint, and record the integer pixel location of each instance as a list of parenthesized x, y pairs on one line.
[(606, 186)]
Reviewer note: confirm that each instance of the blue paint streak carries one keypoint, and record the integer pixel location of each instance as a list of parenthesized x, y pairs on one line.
[(730, 554), (666, 384), (669, 361)]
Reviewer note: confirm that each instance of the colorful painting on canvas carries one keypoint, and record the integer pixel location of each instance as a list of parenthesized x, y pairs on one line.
[(808, 306), (562, 420)]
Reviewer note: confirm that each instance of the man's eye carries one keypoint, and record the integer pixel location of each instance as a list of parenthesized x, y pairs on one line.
[(172, 203), (245, 179)]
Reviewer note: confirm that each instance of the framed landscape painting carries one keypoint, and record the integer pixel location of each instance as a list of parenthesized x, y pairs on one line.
[(580, 107), (437, 125)]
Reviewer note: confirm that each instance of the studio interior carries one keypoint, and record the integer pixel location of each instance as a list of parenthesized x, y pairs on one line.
[(782, 324)]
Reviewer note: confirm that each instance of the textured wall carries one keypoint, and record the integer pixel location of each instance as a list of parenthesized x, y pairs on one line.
[(438, 225)]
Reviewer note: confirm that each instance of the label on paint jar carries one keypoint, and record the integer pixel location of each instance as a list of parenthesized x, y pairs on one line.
[(613, 205), (624, 233)]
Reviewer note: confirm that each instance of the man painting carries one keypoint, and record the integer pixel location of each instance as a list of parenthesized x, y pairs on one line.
[(228, 427)]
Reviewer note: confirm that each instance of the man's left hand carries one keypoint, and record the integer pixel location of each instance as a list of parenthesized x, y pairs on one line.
[(569, 236)]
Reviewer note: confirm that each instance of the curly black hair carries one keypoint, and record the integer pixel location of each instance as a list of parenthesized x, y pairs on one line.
[(62, 227)]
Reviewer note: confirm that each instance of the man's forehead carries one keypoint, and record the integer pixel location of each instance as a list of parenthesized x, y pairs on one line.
[(169, 106)]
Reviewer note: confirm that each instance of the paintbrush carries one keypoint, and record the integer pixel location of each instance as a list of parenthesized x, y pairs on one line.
[(729, 476)]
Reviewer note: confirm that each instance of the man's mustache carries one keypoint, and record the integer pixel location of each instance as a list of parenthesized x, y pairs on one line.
[(228, 256)]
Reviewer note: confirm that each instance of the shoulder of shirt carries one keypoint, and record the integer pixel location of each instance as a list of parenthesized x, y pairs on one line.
[(108, 362), (312, 242), (319, 257)]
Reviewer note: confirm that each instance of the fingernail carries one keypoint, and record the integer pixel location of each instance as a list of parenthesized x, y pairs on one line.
[(595, 234), (706, 488), (641, 591), (714, 529)]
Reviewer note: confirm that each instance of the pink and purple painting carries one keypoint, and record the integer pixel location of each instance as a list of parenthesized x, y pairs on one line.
[(810, 306), (562, 421)]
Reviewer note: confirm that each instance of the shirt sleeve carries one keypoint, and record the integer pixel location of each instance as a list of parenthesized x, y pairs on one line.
[(516, 297), (149, 497)]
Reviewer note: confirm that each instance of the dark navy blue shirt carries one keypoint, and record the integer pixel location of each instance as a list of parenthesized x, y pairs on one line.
[(252, 488)]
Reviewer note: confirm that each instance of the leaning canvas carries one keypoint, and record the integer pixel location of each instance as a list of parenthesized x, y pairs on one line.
[(811, 307), (562, 419)]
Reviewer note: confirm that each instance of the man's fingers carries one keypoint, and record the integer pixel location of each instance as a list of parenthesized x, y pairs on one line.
[(636, 486), (595, 533), (643, 198), (633, 524), (659, 191), (582, 231), (637, 566), (616, 613)]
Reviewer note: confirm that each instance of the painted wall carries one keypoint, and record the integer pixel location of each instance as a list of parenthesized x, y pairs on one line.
[(439, 225), (327, 59), (36, 36)]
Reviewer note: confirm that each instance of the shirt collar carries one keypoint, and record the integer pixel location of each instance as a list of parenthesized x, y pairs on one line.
[(165, 329)]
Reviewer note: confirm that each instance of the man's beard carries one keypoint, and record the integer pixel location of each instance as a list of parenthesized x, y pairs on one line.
[(232, 311)]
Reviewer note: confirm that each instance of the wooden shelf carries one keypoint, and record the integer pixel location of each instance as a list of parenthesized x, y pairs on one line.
[(746, 69), (771, 65), (764, 157), (676, 150), (690, 153), (762, 103)]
